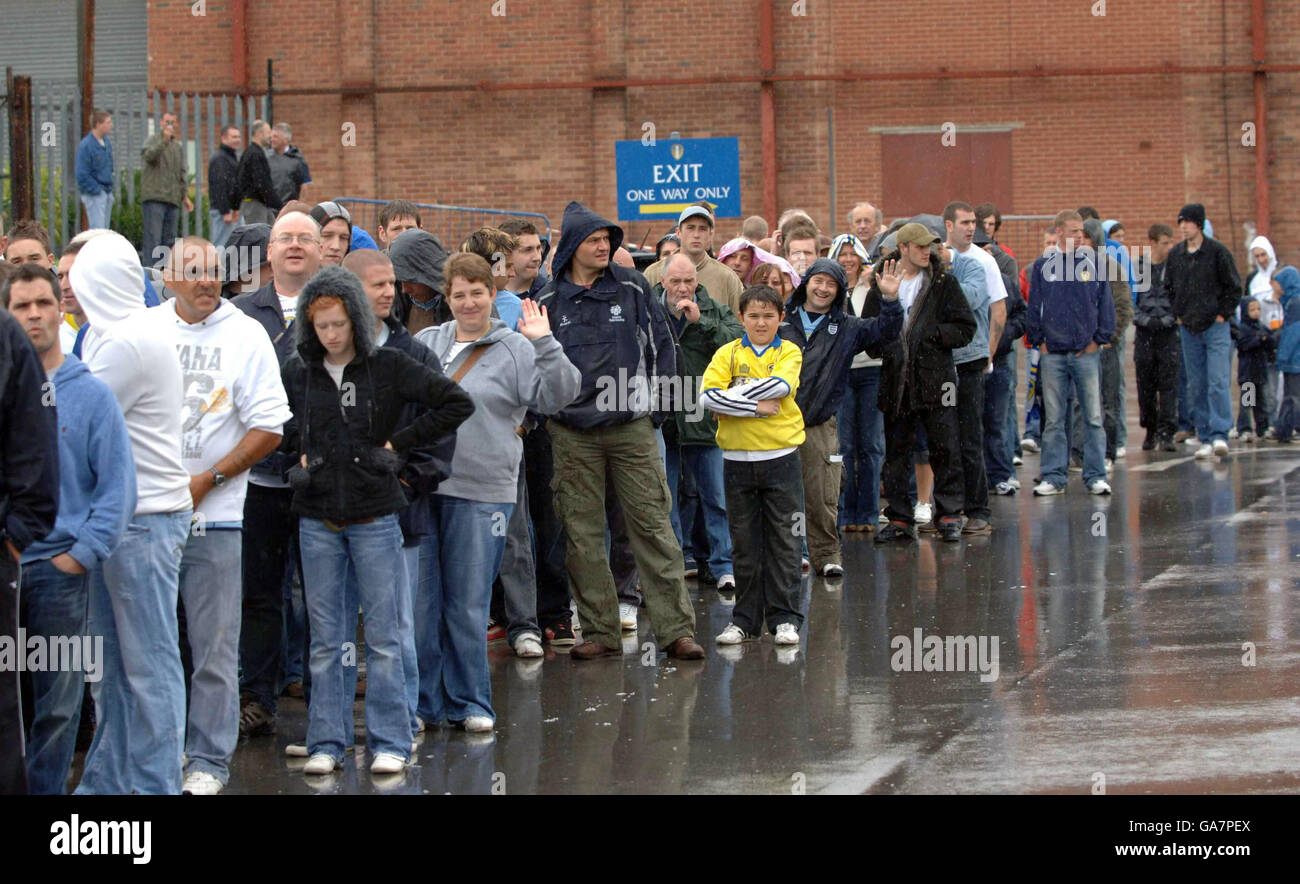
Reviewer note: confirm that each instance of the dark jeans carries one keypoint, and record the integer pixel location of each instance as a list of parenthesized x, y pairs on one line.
[(970, 427), (549, 544), (159, 230), (1158, 359), (999, 395), (940, 425), (53, 604), (1110, 398), (1184, 402), (1253, 402), (762, 498), (862, 445), (13, 769), (269, 526), (514, 592)]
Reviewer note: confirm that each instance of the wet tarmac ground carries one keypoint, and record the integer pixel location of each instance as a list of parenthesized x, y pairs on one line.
[(1148, 641)]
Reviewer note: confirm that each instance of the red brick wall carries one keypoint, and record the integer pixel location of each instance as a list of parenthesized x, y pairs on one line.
[(1136, 147)]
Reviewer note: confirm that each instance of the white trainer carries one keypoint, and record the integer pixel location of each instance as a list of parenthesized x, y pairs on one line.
[(923, 513), (1205, 451), (1121, 453), (727, 583), (786, 634), (732, 635), (528, 645), (1046, 489), (200, 782), (1220, 447), (387, 763), (320, 763), (1027, 444), (627, 617), (478, 724), (1099, 486)]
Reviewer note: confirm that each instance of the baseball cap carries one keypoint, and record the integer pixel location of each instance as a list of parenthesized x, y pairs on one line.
[(915, 232), (691, 212)]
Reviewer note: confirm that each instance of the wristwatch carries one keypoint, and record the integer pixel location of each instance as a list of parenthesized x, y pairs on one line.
[(217, 478)]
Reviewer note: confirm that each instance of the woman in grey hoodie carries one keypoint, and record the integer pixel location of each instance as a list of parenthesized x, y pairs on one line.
[(505, 373)]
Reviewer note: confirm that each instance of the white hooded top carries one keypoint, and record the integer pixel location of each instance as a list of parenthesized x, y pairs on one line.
[(139, 367), (1261, 285), (232, 385)]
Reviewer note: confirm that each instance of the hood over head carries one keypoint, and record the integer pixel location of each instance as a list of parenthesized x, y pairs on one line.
[(830, 268), (1093, 230), (578, 224), (852, 241), (1288, 278), (108, 280), (344, 284), (245, 251), (1259, 283), (418, 256), (761, 256)]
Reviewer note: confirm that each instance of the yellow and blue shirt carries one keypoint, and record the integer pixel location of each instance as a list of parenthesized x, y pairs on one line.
[(740, 375)]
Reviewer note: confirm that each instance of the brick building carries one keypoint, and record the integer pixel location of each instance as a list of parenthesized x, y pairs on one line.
[(448, 104)]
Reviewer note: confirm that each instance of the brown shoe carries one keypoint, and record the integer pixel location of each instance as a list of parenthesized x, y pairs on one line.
[(686, 648), (593, 651), (293, 689)]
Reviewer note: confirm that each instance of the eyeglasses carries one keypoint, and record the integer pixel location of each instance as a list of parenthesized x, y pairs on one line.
[(305, 239)]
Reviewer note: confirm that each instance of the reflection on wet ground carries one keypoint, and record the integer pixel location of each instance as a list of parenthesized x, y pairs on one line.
[(1145, 642)]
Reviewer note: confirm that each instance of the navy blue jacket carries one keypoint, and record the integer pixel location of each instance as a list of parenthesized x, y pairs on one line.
[(1070, 305), (614, 332), (264, 306), (828, 353), (29, 442), (1255, 344)]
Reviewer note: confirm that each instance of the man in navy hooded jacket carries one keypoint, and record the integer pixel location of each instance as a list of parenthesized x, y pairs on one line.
[(612, 329), (816, 323)]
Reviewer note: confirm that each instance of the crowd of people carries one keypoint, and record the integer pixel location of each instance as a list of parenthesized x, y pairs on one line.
[(223, 464)]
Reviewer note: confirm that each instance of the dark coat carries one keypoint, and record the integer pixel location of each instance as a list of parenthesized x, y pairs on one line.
[(1255, 347), (917, 365), (1203, 284), (696, 343), (254, 178), (223, 180), (29, 442)]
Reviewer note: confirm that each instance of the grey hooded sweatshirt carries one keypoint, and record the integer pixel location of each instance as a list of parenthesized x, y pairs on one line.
[(513, 376)]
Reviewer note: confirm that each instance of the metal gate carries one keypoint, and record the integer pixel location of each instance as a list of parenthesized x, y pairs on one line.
[(452, 224)]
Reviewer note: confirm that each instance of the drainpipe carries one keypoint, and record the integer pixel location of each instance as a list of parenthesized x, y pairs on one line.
[(1258, 53), (767, 106)]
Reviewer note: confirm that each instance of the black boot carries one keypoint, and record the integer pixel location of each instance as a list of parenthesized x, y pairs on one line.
[(1149, 443)]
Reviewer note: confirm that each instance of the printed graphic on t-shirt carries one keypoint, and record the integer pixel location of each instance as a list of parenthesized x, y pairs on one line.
[(205, 393)]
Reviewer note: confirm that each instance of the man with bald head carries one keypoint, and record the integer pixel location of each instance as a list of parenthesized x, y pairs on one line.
[(862, 221), (294, 253), (702, 325), (233, 415)]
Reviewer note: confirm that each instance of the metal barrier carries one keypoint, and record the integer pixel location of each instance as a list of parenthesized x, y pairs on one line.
[(452, 224)]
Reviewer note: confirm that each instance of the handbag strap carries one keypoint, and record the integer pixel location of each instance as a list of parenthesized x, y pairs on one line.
[(475, 355)]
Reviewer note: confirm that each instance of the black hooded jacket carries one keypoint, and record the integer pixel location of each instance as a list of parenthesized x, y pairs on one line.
[(29, 442), (614, 331), (917, 365), (342, 430), (828, 352), (418, 256)]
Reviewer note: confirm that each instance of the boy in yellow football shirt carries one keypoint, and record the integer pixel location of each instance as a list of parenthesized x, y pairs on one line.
[(750, 384)]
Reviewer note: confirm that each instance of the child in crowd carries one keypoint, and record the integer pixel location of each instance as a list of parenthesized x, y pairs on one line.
[(1255, 344)]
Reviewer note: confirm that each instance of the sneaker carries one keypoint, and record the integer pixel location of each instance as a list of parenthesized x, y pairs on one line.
[(1121, 453), (296, 750), (627, 616), (1150, 442), (1014, 483), (692, 571), (1192, 440), (1027, 444), (1046, 489), (255, 720), (560, 635), (1183, 436), (923, 513), (319, 764), (478, 724), (1248, 437), (1205, 450), (732, 635), (896, 531), (1006, 489), (201, 782), (420, 726), (786, 634), (495, 632), (805, 565), (882, 520), (1220, 447), (727, 583), (977, 526), (1233, 434), (1099, 486), (1017, 460), (1270, 434), (950, 529), (831, 569), (528, 645), (386, 763)]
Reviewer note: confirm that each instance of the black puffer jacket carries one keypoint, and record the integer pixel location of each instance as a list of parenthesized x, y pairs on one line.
[(916, 367), (1153, 310), (350, 475)]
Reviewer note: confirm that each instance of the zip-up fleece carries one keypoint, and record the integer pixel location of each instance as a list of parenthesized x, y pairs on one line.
[(1070, 304)]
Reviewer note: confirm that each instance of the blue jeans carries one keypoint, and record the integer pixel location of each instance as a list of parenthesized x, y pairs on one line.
[(53, 603), (375, 550), (1207, 362), (1056, 372), (220, 229), (211, 592), (1121, 412), (458, 563), (861, 428), (705, 464), (99, 208), (140, 701), (1012, 432), (999, 391), (159, 230)]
